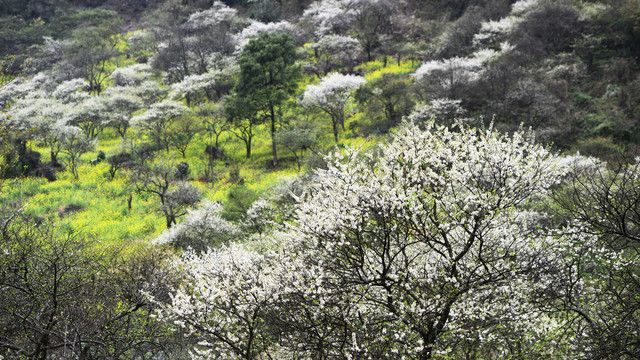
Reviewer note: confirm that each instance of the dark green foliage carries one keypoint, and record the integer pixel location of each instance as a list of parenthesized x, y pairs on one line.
[(182, 170), (266, 11), (457, 38), (386, 101), (242, 114), (17, 35), (182, 132), (600, 147), (93, 46), (238, 201), (268, 77)]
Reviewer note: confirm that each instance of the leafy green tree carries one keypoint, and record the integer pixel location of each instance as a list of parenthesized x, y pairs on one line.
[(268, 76), (184, 129), (243, 117), (386, 100), (215, 122), (16, 35)]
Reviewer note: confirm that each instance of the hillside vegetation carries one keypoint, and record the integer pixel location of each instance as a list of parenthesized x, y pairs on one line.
[(331, 179)]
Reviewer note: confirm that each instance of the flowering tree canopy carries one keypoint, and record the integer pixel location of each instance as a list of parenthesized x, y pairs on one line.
[(331, 50), (431, 251), (200, 229), (331, 96), (256, 28), (158, 118), (328, 16)]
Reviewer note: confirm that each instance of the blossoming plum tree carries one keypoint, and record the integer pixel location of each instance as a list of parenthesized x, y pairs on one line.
[(331, 96), (157, 120), (434, 241), (430, 251)]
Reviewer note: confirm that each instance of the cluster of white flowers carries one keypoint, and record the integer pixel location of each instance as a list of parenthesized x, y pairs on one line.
[(493, 31), (200, 229), (215, 16), (257, 27), (225, 292), (450, 73), (441, 109), (521, 7), (193, 83), (131, 75), (328, 16), (208, 80), (71, 91), (333, 90), (496, 29), (159, 113), (334, 49), (403, 256), (331, 96), (20, 89)]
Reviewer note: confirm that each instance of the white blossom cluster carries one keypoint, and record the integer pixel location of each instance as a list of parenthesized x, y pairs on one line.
[(159, 113), (328, 17), (37, 103), (450, 73), (441, 109), (447, 76), (201, 82), (131, 75), (218, 14), (225, 292), (200, 229), (331, 50), (493, 31), (71, 91), (331, 96), (21, 88), (257, 27), (431, 250), (333, 91)]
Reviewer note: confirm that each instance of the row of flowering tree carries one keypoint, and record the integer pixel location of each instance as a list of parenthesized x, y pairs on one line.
[(433, 248)]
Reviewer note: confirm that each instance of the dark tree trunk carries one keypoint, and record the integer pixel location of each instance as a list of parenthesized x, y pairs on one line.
[(274, 150)]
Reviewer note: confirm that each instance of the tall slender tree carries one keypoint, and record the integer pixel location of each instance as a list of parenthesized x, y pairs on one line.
[(268, 76)]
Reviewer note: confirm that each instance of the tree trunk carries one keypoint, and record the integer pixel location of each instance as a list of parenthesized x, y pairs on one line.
[(335, 129), (274, 150)]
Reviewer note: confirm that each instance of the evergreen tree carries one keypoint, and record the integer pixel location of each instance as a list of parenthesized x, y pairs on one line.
[(268, 76)]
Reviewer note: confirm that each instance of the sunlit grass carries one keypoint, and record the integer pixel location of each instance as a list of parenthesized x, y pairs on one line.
[(376, 69), (102, 201)]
